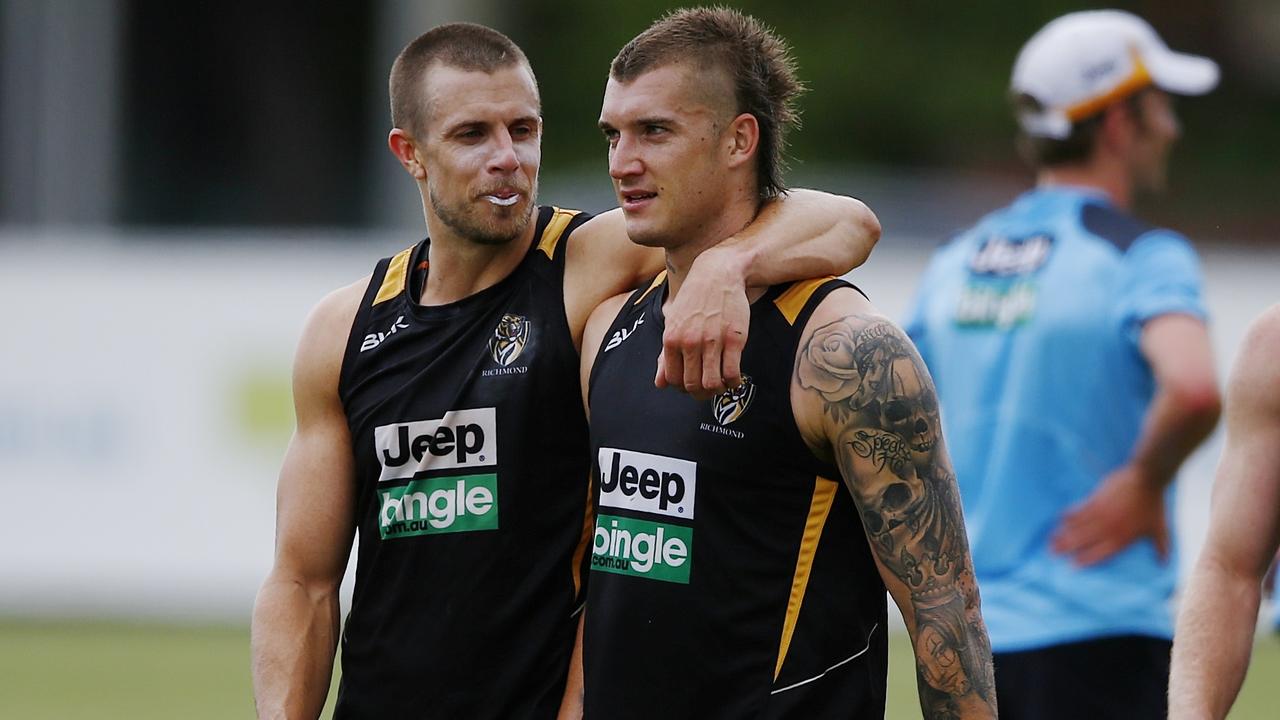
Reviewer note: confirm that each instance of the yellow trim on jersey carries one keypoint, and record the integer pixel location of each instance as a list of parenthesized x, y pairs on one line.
[(397, 272), (824, 494), (657, 281), (555, 228), (792, 301), (588, 530)]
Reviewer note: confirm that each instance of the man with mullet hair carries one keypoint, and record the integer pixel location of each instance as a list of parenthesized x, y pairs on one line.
[(439, 415), (732, 575)]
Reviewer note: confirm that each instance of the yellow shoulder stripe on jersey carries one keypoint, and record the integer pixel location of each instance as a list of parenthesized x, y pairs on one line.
[(792, 301), (397, 274), (551, 234), (824, 493), (588, 526), (657, 281)]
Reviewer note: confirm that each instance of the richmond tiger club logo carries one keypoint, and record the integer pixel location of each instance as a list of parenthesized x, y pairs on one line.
[(730, 405), (509, 339)]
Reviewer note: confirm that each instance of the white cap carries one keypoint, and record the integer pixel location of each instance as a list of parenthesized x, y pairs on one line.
[(1082, 62)]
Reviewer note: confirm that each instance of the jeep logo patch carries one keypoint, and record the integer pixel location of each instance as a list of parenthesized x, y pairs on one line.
[(460, 439), (647, 483)]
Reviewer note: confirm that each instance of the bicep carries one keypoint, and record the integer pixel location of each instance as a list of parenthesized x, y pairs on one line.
[(1177, 347), (597, 325), (1245, 511), (315, 495), (601, 261)]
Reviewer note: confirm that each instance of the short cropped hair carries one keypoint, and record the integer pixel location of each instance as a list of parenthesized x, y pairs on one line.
[(1077, 146), (756, 61), (466, 46)]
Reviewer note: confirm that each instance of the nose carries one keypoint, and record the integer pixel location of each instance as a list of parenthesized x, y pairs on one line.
[(504, 158), (623, 161)]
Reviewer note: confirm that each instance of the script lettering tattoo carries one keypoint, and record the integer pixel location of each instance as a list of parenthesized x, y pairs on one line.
[(877, 392)]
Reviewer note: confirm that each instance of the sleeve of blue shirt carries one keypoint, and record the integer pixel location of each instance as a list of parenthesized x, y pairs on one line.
[(913, 323), (1161, 276)]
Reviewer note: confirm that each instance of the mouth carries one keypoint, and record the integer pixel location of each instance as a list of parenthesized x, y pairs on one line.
[(504, 197), (635, 199), (922, 445)]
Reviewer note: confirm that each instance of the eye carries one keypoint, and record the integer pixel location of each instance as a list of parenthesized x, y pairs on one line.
[(611, 136), (896, 411), (522, 131), (652, 129)]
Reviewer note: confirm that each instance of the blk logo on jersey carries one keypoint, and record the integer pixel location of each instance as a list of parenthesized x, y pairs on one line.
[(460, 439), (509, 339), (732, 403), (621, 334), (373, 340)]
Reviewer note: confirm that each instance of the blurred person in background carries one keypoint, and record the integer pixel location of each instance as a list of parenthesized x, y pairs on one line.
[(1073, 365), (732, 574), (1220, 609), (439, 415)]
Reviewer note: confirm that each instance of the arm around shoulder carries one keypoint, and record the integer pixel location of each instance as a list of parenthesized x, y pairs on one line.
[(862, 394), (296, 614)]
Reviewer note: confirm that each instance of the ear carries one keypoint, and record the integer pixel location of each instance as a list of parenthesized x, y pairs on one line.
[(743, 139), (405, 149), (1119, 126)]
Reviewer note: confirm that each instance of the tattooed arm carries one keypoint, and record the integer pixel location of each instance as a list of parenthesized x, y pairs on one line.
[(863, 398)]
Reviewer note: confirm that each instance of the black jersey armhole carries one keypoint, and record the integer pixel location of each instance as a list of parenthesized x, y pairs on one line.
[(790, 324), (632, 307), (361, 321)]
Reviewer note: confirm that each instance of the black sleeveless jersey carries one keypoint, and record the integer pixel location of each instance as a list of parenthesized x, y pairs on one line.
[(730, 576), (471, 492)]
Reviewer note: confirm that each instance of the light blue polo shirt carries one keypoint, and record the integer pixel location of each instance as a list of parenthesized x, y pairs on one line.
[(1030, 323)]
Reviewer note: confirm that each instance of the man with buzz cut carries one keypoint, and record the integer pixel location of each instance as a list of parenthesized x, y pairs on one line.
[(439, 414), (1074, 370), (733, 575), (1219, 612)]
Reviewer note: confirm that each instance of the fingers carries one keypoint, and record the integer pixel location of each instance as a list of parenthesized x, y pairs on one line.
[(712, 381), (660, 379), (731, 358), (1096, 552)]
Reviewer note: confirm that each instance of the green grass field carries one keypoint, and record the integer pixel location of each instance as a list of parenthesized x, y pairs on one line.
[(79, 671)]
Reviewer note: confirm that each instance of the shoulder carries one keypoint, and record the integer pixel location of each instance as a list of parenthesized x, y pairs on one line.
[(323, 343), (1122, 230), (1259, 351), (601, 318)]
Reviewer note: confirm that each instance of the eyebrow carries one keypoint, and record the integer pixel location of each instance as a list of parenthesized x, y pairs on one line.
[(656, 120), (466, 124)]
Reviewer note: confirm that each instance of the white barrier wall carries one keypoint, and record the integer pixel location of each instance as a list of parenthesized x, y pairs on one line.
[(144, 407)]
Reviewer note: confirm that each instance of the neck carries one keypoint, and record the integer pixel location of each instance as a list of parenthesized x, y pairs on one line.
[(738, 213), (460, 267), (1107, 178)]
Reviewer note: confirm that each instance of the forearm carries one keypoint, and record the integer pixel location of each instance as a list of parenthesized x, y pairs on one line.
[(294, 637), (1175, 424), (1213, 641), (806, 234), (954, 676)]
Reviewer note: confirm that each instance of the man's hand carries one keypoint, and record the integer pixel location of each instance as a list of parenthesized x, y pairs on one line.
[(1126, 507), (706, 328)]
